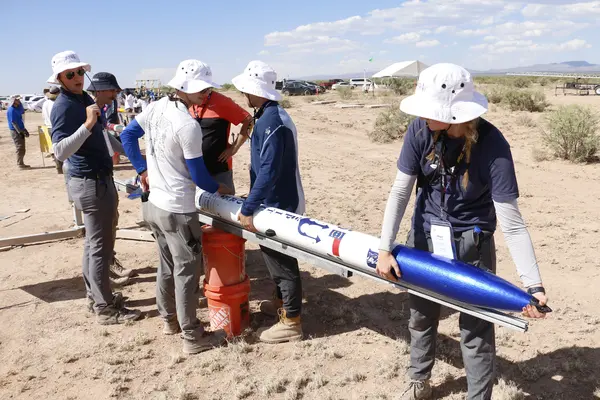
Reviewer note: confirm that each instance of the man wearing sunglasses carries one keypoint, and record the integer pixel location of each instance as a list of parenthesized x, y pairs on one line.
[(77, 136), (216, 114)]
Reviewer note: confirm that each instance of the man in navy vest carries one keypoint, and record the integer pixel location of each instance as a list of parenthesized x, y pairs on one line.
[(275, 182), (77, 136)]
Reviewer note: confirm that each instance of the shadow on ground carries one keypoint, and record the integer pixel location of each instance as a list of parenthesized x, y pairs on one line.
[(57, 290)]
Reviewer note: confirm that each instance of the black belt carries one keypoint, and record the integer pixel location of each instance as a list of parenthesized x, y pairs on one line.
[(92, 175)]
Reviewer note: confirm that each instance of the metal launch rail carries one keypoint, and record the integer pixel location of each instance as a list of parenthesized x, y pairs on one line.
[(339, 268)]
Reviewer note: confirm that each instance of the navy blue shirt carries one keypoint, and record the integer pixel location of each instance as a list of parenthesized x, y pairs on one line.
[(274, 172), (491, 177), (68, 114)]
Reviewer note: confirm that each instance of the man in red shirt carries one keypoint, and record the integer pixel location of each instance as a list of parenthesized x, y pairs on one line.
[(216, 115)]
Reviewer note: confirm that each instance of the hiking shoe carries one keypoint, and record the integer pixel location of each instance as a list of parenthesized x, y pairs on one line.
[(112, 316), (117, 281), (117, 313), (117, 268), (208, 341), (24, 166), (417, 390), (286, 330), (271, 307), (171, 327)]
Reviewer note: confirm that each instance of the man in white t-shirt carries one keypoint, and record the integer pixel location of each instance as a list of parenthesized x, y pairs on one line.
[(172, 170)]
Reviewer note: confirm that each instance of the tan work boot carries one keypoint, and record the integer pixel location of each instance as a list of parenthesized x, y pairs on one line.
[(286, 330), (270, 307), (117, 268), (208, 341), (417, 390), (171, 327)]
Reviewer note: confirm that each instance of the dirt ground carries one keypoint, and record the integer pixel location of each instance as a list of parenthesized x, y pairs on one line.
[(356, 329)]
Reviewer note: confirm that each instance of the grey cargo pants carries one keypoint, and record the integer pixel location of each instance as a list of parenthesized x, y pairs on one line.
[(19, 141), (178, 238), (97, 199), (477, 338)]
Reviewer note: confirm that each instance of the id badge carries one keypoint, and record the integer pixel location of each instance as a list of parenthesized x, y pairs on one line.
[(442, 237)]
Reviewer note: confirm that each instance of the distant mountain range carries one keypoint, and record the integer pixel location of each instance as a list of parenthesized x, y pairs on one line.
[(563, 67)]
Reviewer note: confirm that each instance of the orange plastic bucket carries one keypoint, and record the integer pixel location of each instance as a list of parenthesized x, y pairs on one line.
[(224, 257), (228, 307)]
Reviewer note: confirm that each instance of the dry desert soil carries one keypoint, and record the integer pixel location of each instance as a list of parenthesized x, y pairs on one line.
[(356, 329)]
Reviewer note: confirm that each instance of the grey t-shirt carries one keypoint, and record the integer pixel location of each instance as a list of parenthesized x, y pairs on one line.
[(491, 177)]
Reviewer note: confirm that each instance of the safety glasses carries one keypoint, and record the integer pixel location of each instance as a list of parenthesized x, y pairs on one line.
[(71, 74)]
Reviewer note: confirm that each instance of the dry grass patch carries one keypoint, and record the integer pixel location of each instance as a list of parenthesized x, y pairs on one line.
[(525, 120), (507, 390)]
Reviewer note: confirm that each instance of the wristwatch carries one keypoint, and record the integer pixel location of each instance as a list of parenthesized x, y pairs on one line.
[(536, 289)]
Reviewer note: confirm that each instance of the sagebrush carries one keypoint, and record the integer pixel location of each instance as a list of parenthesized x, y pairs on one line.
[(390, 125), (526, 100), (572, 133)]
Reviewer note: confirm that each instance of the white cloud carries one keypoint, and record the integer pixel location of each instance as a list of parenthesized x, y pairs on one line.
[(516, 46), (263, 53), (410, 37), (428, 43), (589, 10), (473, 32)]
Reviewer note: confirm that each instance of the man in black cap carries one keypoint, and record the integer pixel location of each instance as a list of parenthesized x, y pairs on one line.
[(105, 88)]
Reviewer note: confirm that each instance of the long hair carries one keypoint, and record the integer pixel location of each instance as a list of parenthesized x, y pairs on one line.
[(469, 132)]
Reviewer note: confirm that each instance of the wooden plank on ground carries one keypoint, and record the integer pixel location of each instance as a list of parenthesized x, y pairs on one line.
[(41, 237), (133, 234)]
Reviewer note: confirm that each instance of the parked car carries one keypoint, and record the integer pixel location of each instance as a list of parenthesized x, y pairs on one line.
[(328, 84), (291, 88), (342, 84)]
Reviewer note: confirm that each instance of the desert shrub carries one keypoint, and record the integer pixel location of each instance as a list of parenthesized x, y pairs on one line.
[(391, 124), (344, 92), (543, 81), (526, 100), (227, 86), (401, 86), (525, 120), (496, 94), (285, 103), (521, 82), (572, 133)]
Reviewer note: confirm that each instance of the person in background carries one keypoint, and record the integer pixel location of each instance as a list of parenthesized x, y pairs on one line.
[(18, 132), (465, 177), (275, 182), (37, 106), (51, 96), (77, 136), (216, 114), (174, 166), (105, 87)]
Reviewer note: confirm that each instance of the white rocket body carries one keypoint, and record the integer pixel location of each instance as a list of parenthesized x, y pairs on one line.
[(321, 238)]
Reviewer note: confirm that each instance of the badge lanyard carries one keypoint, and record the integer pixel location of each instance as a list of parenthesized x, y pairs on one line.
[(442, 234)]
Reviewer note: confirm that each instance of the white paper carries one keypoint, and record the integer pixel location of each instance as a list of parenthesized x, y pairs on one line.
[(441, 236)]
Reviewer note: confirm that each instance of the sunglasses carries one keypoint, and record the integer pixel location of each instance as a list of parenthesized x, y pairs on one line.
[(71, 74)]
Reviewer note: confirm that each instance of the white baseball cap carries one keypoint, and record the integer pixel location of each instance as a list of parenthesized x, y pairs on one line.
[(63, 61), (258, 79), (192, 76), (445, 92)]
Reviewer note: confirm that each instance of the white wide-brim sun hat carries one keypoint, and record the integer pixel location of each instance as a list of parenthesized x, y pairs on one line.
[(64, 61), (445, 92), (192, 76), (259, 80)]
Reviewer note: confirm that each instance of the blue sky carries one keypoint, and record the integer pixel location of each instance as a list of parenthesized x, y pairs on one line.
[(147, 39)]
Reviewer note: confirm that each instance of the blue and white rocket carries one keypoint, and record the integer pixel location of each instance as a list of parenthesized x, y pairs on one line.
[(452, 279)]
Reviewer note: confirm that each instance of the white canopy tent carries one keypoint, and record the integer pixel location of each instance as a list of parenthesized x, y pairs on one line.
[(404, 68)]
